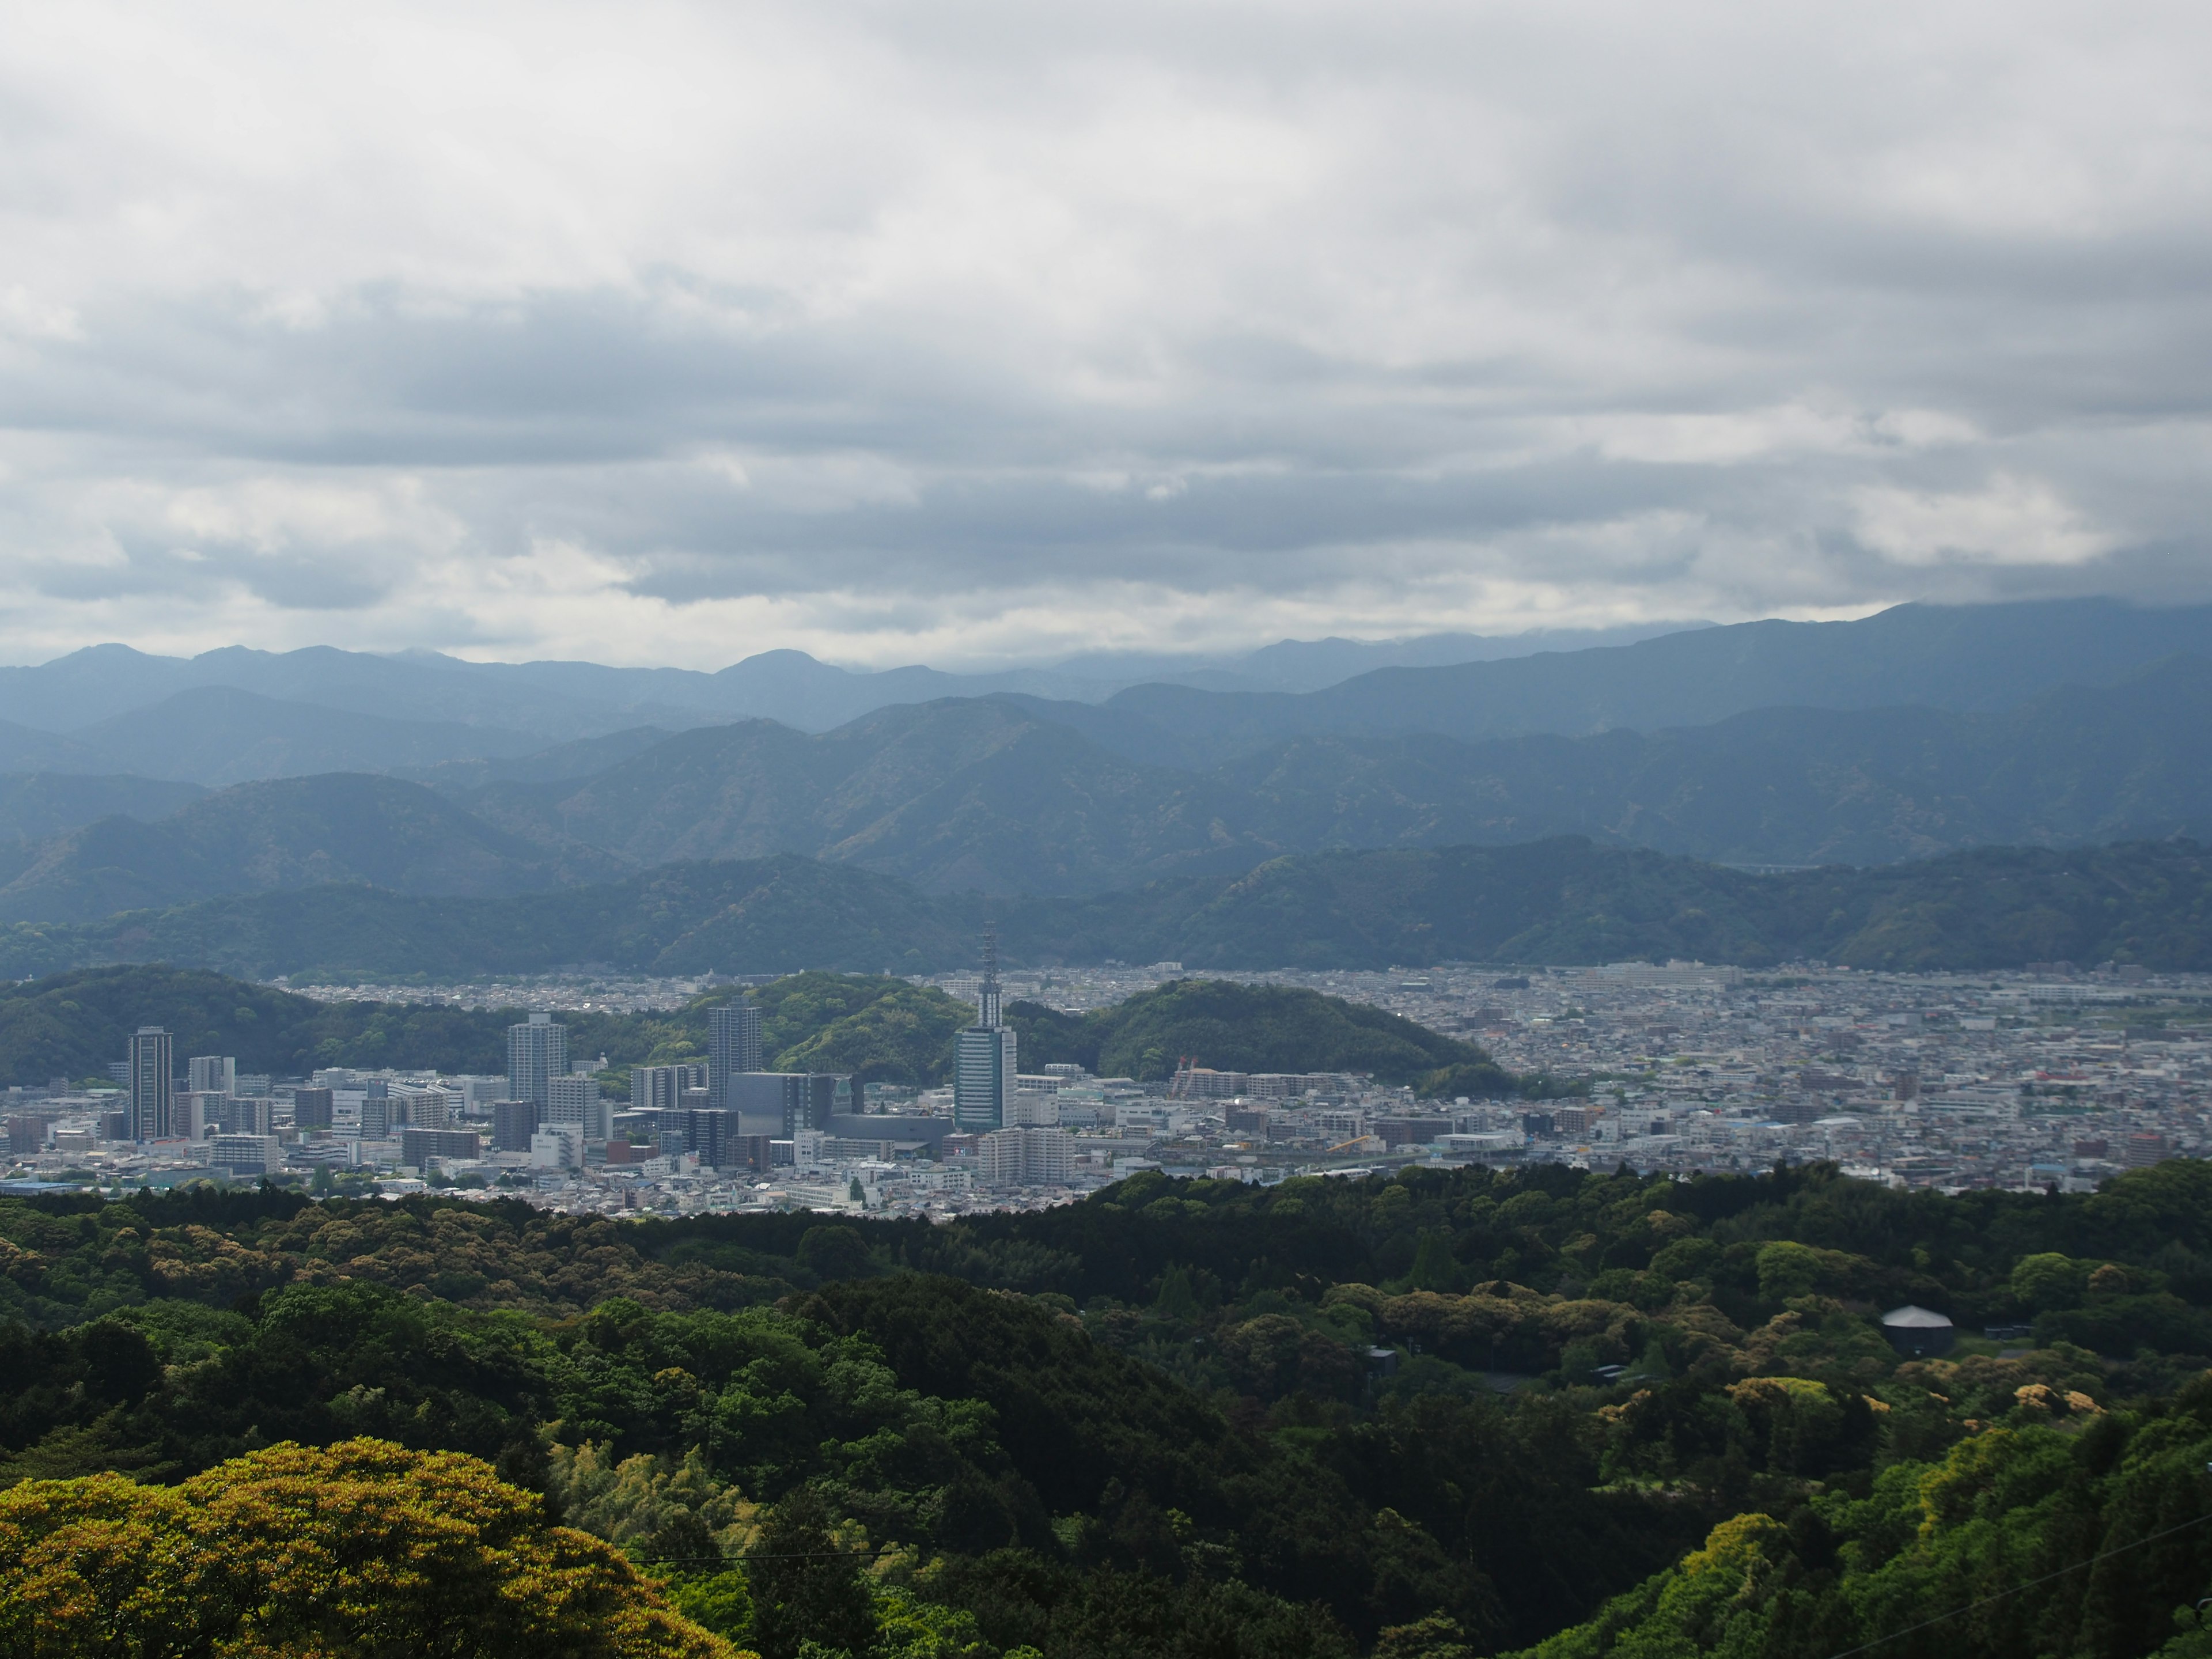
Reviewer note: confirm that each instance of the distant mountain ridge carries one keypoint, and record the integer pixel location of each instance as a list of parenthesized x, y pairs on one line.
[(1563, 901), (1960, 658), (992, 795), (1965, 659), (560, 701), (985, 795)]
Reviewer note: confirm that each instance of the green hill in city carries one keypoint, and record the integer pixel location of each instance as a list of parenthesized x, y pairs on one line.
[(1251, 1027)]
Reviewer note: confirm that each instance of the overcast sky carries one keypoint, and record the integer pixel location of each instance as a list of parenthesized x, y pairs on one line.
[(952, 332)]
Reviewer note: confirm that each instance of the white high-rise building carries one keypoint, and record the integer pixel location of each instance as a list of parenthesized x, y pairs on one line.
[(537, 1053), (575, 1099), (1026, 1158)]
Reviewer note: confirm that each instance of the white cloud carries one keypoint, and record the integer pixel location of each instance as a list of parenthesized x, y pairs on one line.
[(889, 330), (2013, 521)]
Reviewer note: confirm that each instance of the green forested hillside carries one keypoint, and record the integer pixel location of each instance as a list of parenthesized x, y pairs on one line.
[(285, 834), (1248, 1028), (1560, 901), (765, 916), (1568, 901), (1150, 1422)]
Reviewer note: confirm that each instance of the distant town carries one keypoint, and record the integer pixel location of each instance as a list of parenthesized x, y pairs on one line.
[(2055, 1078)]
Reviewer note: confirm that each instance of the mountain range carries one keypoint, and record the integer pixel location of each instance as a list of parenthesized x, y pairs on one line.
[(1922, 730), (556, 700), (986, 794), (1563, 901)]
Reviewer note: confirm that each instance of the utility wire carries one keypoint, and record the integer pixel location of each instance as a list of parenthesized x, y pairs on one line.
[(2030, 1583), (739, 1561)]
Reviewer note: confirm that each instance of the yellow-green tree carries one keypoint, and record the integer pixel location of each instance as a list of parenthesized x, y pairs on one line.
[(357, 1551)]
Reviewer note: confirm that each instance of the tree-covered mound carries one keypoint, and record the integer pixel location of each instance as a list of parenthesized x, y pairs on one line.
[(361, 1547), (1249, 1028), (1153, 1422)]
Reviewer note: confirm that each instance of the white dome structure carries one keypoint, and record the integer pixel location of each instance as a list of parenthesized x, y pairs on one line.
[(1918, 1332)]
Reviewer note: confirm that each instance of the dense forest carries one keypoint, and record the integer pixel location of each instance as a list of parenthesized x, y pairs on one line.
[(1564, 900), (878, 1030), (1446, 1413)]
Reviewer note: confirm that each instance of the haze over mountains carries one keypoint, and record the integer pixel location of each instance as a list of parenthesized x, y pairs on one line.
[(1919, 732)]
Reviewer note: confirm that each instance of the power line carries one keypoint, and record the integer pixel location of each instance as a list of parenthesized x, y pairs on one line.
[(2044, 1579)]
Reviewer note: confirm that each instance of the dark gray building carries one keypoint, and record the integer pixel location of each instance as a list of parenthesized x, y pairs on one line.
[(313, 1109), (733, 1048), (153, 1094), (513, 1122), (778, 1104)]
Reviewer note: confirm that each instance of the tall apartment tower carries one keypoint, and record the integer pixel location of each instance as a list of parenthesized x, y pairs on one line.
[(537, 1053), (313, 1109), (211, 1074), (983, 1068), (153, 1097), (733, 1048), (576, 1099), (660, 1088)]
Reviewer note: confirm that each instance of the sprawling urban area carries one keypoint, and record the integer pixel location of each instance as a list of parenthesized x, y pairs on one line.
[(2049, 1079)]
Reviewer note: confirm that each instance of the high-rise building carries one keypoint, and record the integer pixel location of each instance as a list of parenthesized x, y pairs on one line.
[(718, 1138), (512, 1123), (313, 1109), (983, 1068), (418, 1146), (211, 1074), (422, 1108), (376, 1123), (733, 1048), (201, 1113), (779, 1104), (1025, 1157), (660, 1088), (241, 1114), (575, 1098), (537, 1053), (153, 1093)]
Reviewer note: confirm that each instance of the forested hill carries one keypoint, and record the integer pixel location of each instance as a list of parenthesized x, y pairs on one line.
[(879, 1029), (1561, 901), (1151, 1423), (1252, 1028)]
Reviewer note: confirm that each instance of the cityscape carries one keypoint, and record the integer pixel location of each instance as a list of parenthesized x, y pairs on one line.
[(2047, 1080)]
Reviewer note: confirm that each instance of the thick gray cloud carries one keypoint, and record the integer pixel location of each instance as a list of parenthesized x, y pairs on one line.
[(672, 332)]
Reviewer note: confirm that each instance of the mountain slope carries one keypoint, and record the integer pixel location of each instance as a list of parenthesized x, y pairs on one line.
[(1962, 658), (991, 796), (959, 794), (1783, 786), (752, 916), (290, 833), (1559, 901), (218, 735), (36, 805)]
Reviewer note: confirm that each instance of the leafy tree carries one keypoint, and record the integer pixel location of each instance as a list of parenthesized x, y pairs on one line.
[(808, 1592), (362, 1548)]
